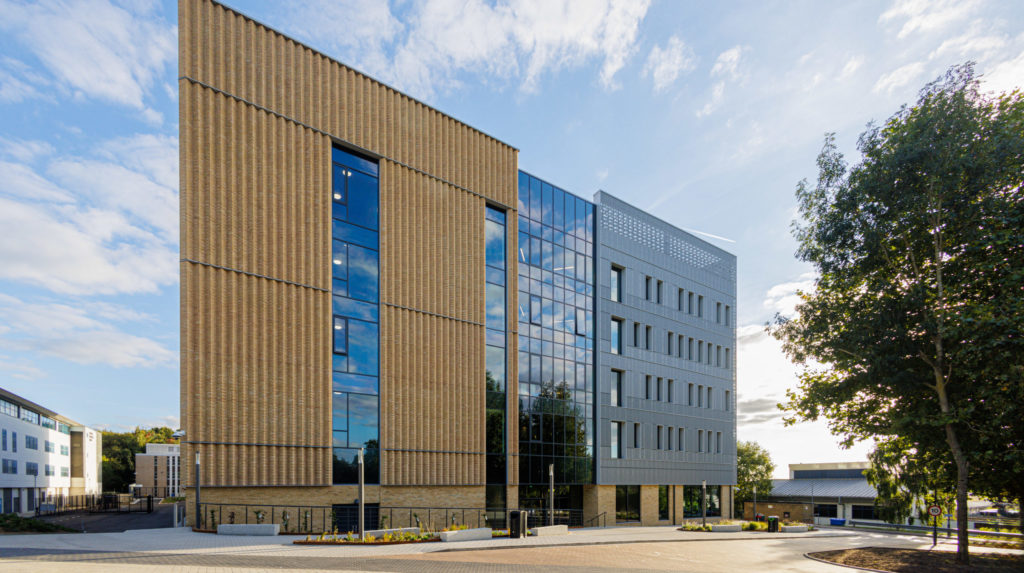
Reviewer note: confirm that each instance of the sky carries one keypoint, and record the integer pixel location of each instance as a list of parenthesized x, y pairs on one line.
[(705, 113)]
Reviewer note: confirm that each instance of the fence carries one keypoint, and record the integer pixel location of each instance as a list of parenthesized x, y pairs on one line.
[(102, 503), (927, 529), (345, 517)]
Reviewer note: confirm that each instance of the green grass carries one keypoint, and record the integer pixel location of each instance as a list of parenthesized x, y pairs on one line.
[(173, 499), (12, 523)]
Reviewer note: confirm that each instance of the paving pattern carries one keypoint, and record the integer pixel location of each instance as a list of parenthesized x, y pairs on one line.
[(654, 549)]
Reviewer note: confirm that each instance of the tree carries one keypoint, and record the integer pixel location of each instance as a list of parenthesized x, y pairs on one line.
[(903, 472), (910, 327), (754, 467), (119, 449)]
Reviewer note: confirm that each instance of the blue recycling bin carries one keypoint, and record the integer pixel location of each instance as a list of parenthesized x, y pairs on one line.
[(837, 522)]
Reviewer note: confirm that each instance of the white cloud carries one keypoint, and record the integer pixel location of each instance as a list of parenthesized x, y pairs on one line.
[(727, 63), (717, 95), (24, 150), (852, 65), (18, 368), (83, 333), (518, 40), (21, 181), (1006, 76), (898, 78), (100, 225), (783, 298), (924, 16), (665, 64), (95, 48), (13, 89)]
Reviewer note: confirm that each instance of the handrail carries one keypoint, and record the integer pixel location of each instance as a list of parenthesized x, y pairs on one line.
[(601, 516), (928, 528)]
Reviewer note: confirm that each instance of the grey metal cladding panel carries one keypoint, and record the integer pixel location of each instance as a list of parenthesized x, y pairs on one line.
[(710, 272)]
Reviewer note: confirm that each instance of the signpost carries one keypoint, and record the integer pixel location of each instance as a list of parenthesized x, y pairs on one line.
[(935, 511)]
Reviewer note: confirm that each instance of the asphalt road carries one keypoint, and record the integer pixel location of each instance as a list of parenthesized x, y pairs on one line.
[(162, 516)]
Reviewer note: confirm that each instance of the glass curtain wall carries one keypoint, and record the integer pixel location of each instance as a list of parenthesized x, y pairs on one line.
[(556, 343), (495, 303), (355, 264)]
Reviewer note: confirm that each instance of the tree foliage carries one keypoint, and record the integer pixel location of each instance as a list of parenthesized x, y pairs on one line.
[(914, 323), (754, 467), (119, 449)]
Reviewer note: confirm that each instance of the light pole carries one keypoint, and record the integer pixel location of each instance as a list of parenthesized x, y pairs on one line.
[(198, 514), (551, 494), (703, 502), (362, 495), (755, 502)]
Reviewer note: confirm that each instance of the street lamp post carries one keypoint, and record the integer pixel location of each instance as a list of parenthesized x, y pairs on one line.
[(362, 495), (703, 502), (198, 514), (755, 502), (551, 494)]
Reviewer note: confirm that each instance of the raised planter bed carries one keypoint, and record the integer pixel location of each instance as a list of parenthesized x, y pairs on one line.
[(343, 541), (467, 534), (248, 529), (726, 528), (550, 530), (793, 529)]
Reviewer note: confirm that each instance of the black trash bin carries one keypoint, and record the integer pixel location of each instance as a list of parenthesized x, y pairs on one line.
[(773, 524), (517, 525)]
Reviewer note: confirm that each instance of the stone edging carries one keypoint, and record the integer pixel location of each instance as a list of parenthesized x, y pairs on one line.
[(623, 542), (820, 560)]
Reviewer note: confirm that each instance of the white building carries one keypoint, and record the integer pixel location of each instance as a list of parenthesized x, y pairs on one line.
[(44, 456)]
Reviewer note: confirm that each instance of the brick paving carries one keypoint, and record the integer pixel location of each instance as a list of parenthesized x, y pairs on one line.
[(597, 550)]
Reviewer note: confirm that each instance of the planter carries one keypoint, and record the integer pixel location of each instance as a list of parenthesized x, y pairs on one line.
[(248, 529), (793, 529), (343, 542), (550, 530), (467, 534), (731, 528)]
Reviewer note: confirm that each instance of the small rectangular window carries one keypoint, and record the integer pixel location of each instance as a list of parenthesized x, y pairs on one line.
[(647, 337), (700, 351), (616, 388), (700, 305), (636, 436), (689, 348), (616, 286), (616, 439), (679, 346), (680, 443), (700, 396), (718, 442), (709, 441), (689, 394), (647, 288), (727, 311), (668, 396), (668, 343), (709, 396), (647, 388), (689, 303), (718, 356), (659, 389), (659, 291), (636, 334), (728, 400), (616, 342), (700, 441), (718, 312), (668, 438), (681, 302), (728, 364), (660, 431)]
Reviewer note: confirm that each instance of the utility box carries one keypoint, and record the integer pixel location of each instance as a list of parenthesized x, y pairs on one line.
[(773, 524)]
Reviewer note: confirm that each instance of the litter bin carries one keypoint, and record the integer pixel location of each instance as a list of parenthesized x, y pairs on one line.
[(773, 524), (517, 525), (837, 522)]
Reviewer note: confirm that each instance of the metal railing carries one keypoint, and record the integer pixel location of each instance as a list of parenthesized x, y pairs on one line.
[(948, 531), (345, 518), (599, 518), (101, 503)]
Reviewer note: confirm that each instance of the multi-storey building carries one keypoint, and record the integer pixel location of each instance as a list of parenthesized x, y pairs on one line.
[(158, 470), (44, 455), (362, 271)]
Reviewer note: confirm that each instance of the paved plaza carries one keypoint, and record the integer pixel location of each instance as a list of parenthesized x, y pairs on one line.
[(599, 550)]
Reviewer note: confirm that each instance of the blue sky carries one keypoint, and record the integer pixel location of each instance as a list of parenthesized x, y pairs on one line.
[(705, 113)]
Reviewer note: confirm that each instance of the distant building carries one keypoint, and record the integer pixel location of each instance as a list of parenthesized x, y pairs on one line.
[(823, 491), (158, 470), (44, 456)]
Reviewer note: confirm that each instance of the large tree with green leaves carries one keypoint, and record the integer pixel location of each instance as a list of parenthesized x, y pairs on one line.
[(754, 468), (911, 330)]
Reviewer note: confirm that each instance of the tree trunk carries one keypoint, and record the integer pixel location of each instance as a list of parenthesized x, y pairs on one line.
[(962, 555), (1020, 516)]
